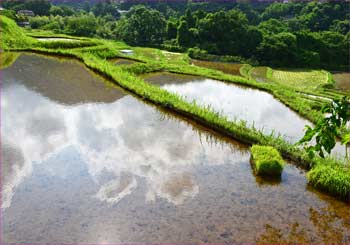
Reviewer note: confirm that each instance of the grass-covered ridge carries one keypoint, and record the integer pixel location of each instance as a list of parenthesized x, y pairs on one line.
[(12, 36), (96, 58), (267, 161), (331, 179)]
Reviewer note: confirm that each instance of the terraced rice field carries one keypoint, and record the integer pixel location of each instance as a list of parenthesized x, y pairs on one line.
[(301, 79)]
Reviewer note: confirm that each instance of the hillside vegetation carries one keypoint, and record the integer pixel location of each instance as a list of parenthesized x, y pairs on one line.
[(297, 34), (12, 35)]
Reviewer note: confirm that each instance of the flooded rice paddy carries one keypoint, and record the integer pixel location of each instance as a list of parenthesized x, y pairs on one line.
[(229, 68), (237, 102), (99, 166), (257, 108), (342, 81)]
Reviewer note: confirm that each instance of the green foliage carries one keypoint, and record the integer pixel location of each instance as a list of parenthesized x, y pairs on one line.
[(81, 26), (39, 21), (273, 26), (328, 129), (171, 29), (224, 32), (276, 10), (186, 37), (332, 179), (39, 7), (279, 49), (61, 11), (267, 160), (142, 26), (9, 14), (106, 8), (307, 35)]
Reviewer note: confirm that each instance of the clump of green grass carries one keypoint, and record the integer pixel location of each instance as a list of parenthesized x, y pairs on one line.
[(267, 161), (332, 179)]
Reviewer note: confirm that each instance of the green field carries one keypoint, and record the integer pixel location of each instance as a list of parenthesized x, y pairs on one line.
[(306, 80)]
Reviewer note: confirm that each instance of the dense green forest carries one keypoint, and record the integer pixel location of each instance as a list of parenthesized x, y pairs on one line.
[(295, 34)]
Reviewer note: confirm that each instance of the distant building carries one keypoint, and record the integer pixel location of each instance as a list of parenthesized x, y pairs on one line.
[(26, 12), (23, 23)]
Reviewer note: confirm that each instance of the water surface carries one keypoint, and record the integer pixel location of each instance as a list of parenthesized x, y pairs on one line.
[(121, 61), (49, 39), (259, 74), (110, 169), (254, 106)]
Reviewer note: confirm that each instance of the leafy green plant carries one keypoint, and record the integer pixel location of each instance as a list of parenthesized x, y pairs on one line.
[(328, 129)]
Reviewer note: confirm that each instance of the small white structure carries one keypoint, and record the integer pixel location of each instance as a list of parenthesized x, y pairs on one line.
[(26, 12), (127, 51)]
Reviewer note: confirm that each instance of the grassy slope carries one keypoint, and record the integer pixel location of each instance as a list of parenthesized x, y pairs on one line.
[(12, 35), (95, 58)]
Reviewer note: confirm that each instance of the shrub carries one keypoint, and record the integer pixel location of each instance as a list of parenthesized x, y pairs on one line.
[(267, 160)]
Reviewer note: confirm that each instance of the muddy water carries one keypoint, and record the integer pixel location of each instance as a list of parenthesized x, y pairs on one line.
[(120, 61), (342, 81), (259, 74), (60, 74), (121, 171), (229, 68), (254, 106)]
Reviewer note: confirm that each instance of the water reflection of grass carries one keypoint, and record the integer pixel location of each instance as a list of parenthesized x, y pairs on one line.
[(8, 58)]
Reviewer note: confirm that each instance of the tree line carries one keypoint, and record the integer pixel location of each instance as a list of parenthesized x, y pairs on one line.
[(295, 34)]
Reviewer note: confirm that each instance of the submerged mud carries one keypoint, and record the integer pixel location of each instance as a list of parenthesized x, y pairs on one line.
[(229, 68), (121, 61), (342, 81)]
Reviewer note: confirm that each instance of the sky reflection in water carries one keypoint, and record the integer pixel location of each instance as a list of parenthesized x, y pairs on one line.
[(99, 166)]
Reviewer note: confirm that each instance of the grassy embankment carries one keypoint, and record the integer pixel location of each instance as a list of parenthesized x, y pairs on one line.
[(95, 57)]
